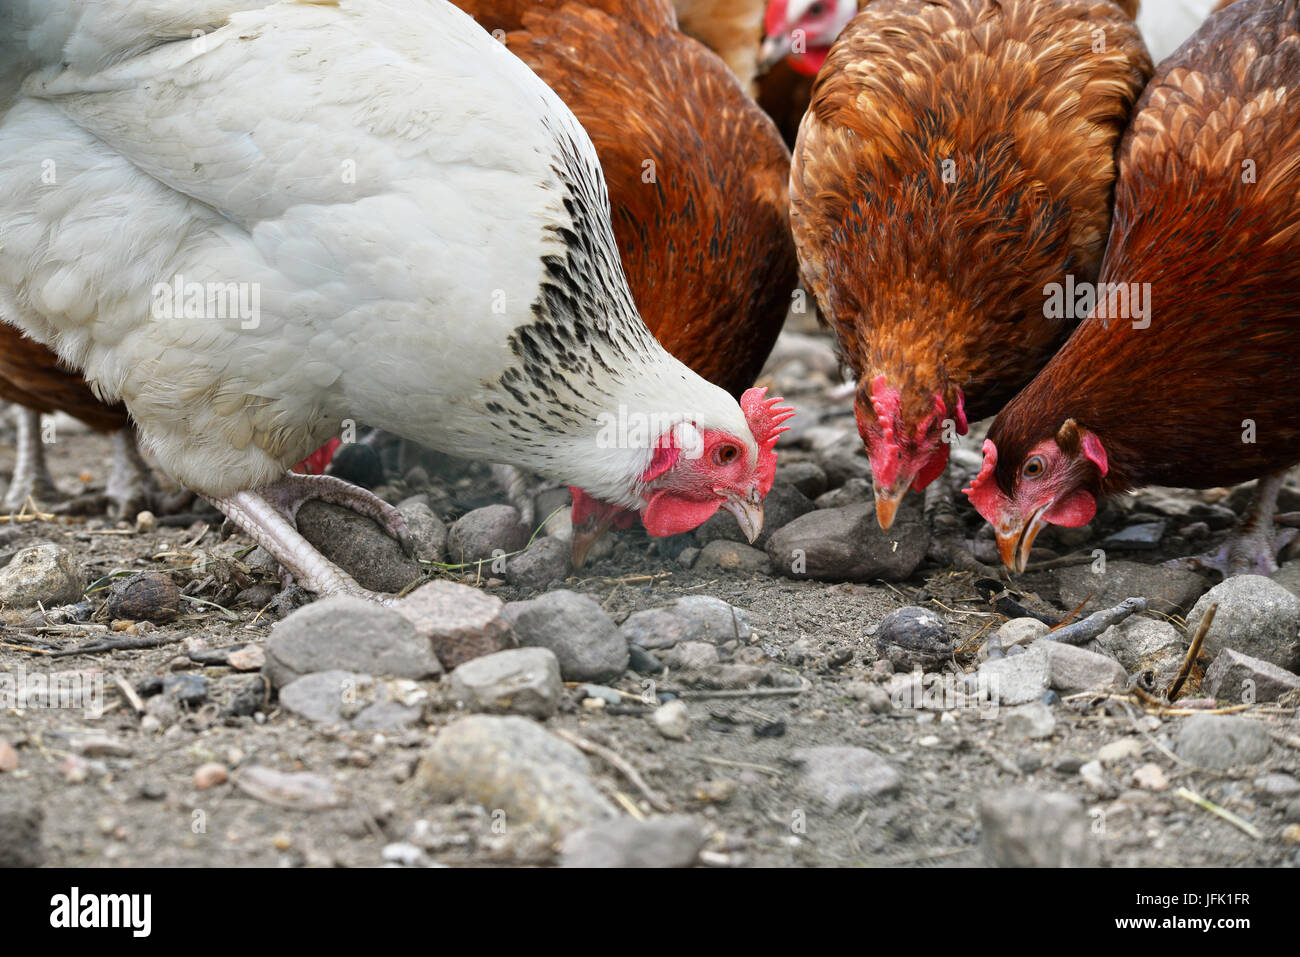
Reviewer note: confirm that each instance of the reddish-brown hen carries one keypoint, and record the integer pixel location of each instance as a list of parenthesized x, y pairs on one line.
[(1205, 389), (697, 173), (958, 157)]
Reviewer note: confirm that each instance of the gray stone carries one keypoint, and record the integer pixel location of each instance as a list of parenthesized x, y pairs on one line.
[(1024, 828), (807, 477), (459, 622), (585, 639), (1015, 679), (520, 681), (44, 574), (20, 832), (512, 764), (347, 634), (486, 533), (1021, 631), (1242, 679), (1256, 616), (844, 778), (1072, 669), (1140, 643), (1141, 537), (1221, 741), (1167, 590), (546, 561), (847, 544), (1288, 576), (1278, 787), (427, 531), (673, 841), (912, 637), (692, 656), (853, 492), (844, 460), (358, 545), (783, 504), (1033, 720), (692, 618), (733, 557), (672, 720), (347, 698)]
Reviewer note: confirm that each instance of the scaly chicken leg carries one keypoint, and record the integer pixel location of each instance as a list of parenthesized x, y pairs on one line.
[(268, 516), (949, 546), (31, 478), (1253, 546)]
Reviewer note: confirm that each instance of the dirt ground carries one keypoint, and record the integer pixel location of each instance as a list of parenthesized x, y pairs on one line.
[(135, 802)]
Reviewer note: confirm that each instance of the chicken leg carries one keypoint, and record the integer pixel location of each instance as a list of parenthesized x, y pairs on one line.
[(1252, 547), (268, 516), (31, 478), (949, 546)]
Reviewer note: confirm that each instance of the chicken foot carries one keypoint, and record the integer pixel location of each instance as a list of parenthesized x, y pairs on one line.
[(267, 515), (949, 546), (31, 478), (1253, 546), (131, 486)]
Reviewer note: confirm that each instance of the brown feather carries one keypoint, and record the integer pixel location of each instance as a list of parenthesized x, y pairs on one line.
[(32, 376), (938, 285), (1170, 402)]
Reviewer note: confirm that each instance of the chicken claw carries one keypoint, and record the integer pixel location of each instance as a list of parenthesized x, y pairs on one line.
[(267, 516), (31, 478), (1253, 546)]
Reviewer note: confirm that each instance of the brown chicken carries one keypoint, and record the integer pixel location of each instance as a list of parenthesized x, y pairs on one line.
[(957, 159), (696, 172), (1202, 389), (32, 377)]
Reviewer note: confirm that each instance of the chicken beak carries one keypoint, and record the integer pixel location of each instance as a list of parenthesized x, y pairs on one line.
[(588, 534), (1014, 545), (748, 512), (887, 501), (774, 50)]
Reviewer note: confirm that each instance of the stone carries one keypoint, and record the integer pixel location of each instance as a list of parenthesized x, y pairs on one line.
[(1015, 679), (853, 492), (460, 622), (1024, 828), (427, 532), (486, 533), (1033, 721), (358, 545), (1021, 631), (1242, 679), (1072, 669), (210, 775), (1140, 537), (1141, 644), (20, 832), (1169, 591), (844, 778), (692, 618), (672, 841), (807, 477), (692, 656), (585, 640), (519, 681), (8, 756), (44, 574), (843, 460), (323, 696), (847, 544), (1119, 750), (1256, 616), (347, 634), (1278, 786), (672, 720), (913, 637), (731, 556), (1288, 576), (1221, 741), (513, 765), (546, 561), (1151, 777)]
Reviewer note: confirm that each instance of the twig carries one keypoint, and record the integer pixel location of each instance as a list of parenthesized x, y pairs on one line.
[(776, 772), (1193, 650), (619, 762), (628, 805), (1290, 740), (741, 692), (1224, 813), (116, 644), (128, 693), (1096, 623)]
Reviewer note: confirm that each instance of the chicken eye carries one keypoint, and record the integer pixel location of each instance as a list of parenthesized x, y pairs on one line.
[(816, 10), (1034, 467), (726, 454)]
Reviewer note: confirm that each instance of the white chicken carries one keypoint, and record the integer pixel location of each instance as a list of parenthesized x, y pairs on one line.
[(253, 222)]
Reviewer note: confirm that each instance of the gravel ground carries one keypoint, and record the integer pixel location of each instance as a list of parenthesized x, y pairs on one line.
[(785, 729)]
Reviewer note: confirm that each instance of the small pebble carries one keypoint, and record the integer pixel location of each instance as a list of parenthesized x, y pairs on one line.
[(1151, 777), (672, 720), (210, 775)]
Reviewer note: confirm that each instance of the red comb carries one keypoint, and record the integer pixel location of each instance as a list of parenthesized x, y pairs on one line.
[(983, 491), (765, 416)]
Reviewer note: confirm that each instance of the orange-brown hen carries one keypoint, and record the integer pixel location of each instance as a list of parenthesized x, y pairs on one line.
[(958, 157)]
